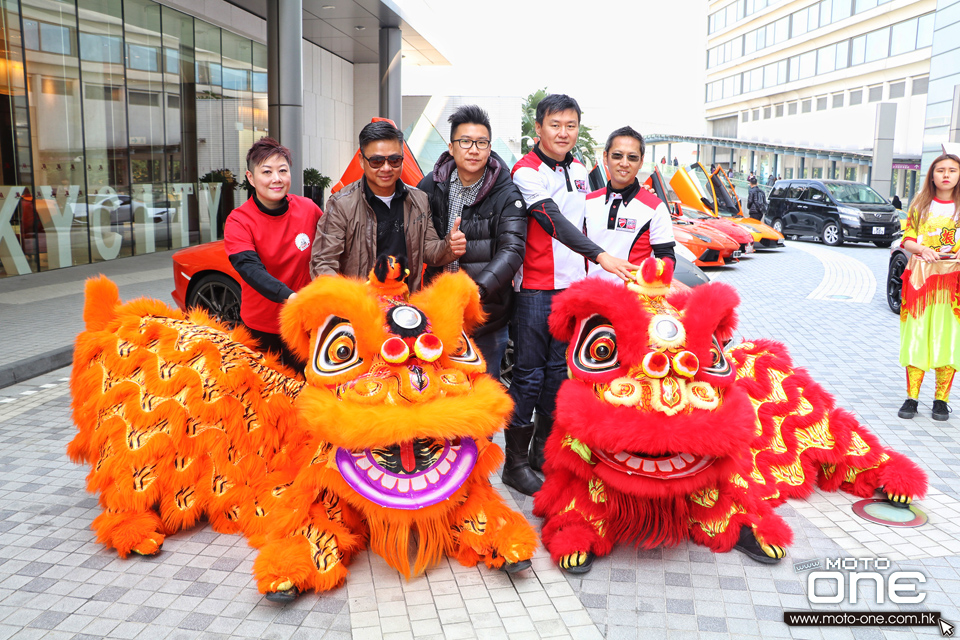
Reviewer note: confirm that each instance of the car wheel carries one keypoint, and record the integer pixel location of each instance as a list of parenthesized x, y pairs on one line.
[(883, 244), (219, 295), (831, 235), (895, 282), (506, 365), (778, 225)]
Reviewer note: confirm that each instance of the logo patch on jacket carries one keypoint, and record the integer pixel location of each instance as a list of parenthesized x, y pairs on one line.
[(581, 185), (302, 241), (626, 224)]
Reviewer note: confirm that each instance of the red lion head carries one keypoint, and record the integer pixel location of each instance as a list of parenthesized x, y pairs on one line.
[(652, 395)]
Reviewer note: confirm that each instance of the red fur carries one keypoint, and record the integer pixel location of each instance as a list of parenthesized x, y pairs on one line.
[(771, 420)]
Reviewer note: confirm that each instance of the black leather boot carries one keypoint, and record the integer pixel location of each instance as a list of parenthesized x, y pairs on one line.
[(542, 425), (516, 468)]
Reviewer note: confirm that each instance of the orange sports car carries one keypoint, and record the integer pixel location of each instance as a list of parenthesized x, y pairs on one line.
[(711, 248), (203, 276), (713, 193)]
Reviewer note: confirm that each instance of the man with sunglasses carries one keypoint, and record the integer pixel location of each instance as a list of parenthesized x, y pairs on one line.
[(629, 221), (471, 182), (379, 215)]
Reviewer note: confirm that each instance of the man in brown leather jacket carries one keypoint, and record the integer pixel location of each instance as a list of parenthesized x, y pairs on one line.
[(379, 215)]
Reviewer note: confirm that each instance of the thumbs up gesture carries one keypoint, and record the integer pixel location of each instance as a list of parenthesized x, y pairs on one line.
[(456, 239)]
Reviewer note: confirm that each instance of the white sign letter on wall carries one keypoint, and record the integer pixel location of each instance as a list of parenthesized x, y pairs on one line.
[(209, 206), (180, 222), (11, 253), (56, 213), (143, 227), (106, 243)]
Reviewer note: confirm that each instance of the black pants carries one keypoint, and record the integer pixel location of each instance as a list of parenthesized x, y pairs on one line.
[(272, 342)]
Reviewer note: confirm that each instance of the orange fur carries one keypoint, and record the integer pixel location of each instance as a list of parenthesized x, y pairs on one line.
[(180, 419)]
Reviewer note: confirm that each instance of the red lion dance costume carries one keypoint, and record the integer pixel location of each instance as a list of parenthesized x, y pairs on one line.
[(661, 435), (389, 435)]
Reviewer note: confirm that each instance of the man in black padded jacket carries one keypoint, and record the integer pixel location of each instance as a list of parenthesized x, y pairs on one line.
[(471, 182)]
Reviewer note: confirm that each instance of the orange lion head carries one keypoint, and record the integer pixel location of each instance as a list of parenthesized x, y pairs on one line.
[(395, 385)]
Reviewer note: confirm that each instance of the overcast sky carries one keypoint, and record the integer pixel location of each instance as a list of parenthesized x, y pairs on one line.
[(632, 62)]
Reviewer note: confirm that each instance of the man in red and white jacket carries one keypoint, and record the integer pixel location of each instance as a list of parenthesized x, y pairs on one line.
[(628, 220), (554, 187)]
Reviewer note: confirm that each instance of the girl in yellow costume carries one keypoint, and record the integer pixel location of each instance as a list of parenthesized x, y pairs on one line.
[(930, 313)]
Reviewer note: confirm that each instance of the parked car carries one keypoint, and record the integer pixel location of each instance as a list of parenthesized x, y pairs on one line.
[(714, 194), (710, 247), (898, 262), (836, 211)]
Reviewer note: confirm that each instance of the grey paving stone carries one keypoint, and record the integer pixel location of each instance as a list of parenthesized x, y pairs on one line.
[(711, 623), (145, 614), (680, 606)]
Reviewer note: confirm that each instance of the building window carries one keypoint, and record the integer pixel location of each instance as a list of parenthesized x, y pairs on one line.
[(878, 44), (745, 116), (897, 89), (144, 98), (55, 86), (101, 92), (903, 37), (837, 100), (920, 85), (805, 106), (875, 94), (766, 113), (856, 97), (792, 109), (779, 110), (756, 114), (822, 103)]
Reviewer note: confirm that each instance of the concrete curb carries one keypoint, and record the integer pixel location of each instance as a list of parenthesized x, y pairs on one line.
[(16, 372)]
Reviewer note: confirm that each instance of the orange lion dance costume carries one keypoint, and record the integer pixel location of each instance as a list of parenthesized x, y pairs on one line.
[(661, 435), (389, 435)]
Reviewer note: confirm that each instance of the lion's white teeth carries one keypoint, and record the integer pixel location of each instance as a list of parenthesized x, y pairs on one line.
[(432, 476), (443, 467), (649, 466), (388, 481)]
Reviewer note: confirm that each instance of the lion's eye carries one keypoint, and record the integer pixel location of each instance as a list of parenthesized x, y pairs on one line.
[(336, 349), (465, 353), (341, 349), (719, 365), (597, 350)]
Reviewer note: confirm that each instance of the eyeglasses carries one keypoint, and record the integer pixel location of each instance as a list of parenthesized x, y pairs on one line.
[(377, 161), (466, 143), (616, 156)]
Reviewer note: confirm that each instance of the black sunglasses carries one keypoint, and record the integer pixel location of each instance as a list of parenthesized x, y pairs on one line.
[(377, 161)]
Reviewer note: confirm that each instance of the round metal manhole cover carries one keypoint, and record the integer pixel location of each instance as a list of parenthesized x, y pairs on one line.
[(882, 512)]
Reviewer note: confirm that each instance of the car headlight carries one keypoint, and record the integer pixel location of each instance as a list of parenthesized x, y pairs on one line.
[(701, 238), (849, 216)]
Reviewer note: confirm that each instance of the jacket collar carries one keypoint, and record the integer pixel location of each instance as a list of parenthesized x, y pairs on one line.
[(550, 162), (445, 165), (400, 190), (628, 193)]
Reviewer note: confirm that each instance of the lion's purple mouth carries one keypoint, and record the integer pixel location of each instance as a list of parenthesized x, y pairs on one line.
[(411, 476), (667, 467)]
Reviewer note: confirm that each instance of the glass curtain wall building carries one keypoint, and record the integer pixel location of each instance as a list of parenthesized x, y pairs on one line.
[(120, 121)]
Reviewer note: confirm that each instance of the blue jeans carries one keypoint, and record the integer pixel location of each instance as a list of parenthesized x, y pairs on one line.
[(491, 346), (540, 361)]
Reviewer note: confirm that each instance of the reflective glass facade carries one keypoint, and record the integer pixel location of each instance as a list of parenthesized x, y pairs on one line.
[(114, 117)]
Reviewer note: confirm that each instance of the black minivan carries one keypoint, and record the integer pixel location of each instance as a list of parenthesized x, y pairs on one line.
[(837, 211)]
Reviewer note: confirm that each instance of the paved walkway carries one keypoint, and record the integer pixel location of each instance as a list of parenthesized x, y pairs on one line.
[(56, 581)]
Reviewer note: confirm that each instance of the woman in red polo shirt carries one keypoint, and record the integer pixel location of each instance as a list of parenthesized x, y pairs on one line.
[(268, 240)]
